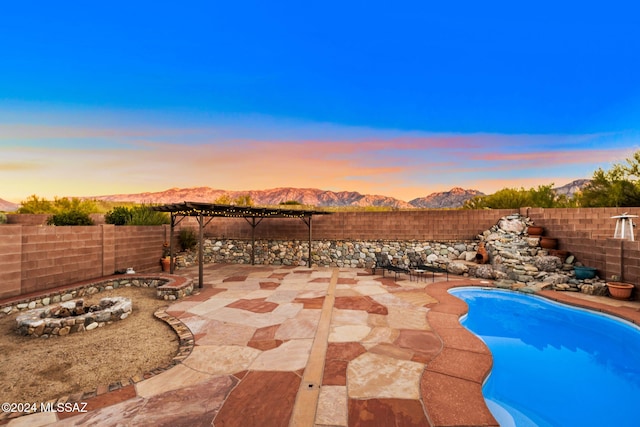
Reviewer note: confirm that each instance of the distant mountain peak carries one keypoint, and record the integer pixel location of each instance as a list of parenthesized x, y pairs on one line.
[(572, 188), (6, 206), (453, 198)]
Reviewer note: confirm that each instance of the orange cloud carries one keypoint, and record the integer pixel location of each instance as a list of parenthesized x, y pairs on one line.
[(404, 166)]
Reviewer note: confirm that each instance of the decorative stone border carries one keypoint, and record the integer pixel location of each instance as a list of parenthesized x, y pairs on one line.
[(175, 290), (168, 288), (72, 316), (186, 344)]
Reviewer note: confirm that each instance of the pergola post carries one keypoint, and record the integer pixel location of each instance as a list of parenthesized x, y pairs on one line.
[(309, 262), (308, 223), (253, 225), (200, 250), (173, 224)]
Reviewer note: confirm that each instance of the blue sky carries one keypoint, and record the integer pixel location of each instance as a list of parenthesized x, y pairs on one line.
[(401, 99)]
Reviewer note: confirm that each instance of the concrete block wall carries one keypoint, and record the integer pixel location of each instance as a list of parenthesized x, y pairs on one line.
[(58, 255), (41, 219), (138, 247), (432, 224), (36, 258), (10, 260)]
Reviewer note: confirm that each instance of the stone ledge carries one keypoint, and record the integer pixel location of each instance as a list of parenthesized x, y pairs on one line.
[(72, 316), (175, 290), (180, 284)]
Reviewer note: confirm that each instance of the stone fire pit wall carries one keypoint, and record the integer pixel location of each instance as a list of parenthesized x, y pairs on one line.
[(167, 288), (70, 317)]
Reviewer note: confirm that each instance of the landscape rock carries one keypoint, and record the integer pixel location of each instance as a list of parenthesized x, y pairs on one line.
[(457, 267), (548, 263)]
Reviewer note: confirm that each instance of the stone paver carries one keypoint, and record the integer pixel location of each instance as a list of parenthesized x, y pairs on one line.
[(291, 346)]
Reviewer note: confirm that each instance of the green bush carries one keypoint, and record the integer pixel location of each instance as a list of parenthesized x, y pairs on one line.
[(72, 217), (513, 198), (187, 238), (120, 215), (144, 215), (3, 218)]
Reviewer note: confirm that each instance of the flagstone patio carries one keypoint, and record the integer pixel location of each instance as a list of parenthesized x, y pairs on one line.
[(280, 346)]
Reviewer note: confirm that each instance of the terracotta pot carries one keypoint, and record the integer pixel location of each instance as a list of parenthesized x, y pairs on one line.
[(620, 290), (548, 242), (535, 231), (560, 254), (166, 263)]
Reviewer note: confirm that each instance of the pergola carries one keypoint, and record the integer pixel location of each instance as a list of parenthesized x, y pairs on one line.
[(253, 216)]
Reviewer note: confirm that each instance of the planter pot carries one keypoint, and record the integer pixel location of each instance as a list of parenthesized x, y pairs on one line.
[(548, 242), (535, 231), (620, 290), (584, 272), (560, 254), (166, 263)]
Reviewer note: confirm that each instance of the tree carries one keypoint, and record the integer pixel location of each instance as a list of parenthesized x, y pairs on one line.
[(244, 200), (35, 205), (511, 198), (225, 199), (617, 187), (65, 204)]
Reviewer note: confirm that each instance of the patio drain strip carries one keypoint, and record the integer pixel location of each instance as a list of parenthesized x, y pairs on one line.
[(304, 410)]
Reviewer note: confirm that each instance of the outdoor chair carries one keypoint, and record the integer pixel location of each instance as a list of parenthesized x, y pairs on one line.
[(397, 270), (433, 270), (381, 264)]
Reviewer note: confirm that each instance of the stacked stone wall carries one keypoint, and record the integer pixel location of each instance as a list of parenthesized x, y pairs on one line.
[(329, 253)]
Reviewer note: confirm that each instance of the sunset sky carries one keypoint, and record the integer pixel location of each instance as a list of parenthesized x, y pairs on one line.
[(398, 98)]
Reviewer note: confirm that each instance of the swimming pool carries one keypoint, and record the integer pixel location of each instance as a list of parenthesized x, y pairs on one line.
[(554, 365)]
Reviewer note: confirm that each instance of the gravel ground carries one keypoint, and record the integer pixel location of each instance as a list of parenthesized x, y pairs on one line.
[(41, 369)]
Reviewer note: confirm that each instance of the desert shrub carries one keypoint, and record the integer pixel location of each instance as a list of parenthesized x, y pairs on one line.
[(72, 217), (3, 218), (144, 215), (187, 238), (119, 215)]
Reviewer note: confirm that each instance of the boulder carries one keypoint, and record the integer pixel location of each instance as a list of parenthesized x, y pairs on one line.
[(485, 271), (457, 267), (548, 263), (512, 225)]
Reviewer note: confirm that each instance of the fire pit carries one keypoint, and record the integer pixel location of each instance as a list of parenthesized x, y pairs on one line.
[(72, 316)]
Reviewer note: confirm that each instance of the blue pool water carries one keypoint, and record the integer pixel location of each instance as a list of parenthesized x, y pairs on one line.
[(554, 365)]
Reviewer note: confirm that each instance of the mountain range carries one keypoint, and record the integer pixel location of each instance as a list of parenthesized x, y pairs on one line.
[(453, 198)]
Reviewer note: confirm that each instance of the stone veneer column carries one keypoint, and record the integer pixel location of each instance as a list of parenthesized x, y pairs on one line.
[(11, 255)]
